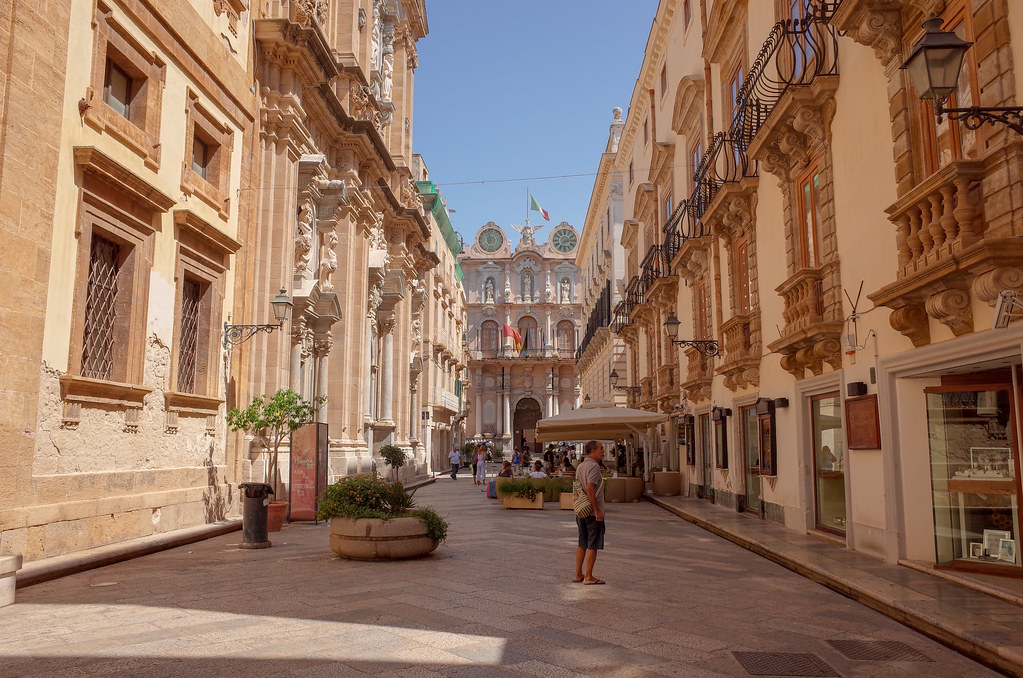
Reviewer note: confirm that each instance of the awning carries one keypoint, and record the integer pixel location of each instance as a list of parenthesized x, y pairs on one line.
[(597, 421)]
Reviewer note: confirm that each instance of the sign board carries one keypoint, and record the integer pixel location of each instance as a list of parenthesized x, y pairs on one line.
[(308, 469), (861, 423)]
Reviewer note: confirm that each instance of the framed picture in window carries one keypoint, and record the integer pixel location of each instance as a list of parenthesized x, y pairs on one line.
[(1007, 550), (992, 542), (863, 429)]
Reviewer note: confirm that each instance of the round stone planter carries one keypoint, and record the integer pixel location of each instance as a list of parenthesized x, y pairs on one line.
[(377, 539)]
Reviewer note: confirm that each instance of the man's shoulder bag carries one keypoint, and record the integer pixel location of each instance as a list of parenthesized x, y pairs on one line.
[(580, 500)]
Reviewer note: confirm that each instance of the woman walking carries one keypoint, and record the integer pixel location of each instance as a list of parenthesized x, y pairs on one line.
[(481, 465)]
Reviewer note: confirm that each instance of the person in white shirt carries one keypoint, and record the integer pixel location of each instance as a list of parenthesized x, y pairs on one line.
[(538, 471), (456, 459)]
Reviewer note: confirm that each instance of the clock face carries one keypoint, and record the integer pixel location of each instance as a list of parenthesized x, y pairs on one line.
[(564, 240), (490, 240)]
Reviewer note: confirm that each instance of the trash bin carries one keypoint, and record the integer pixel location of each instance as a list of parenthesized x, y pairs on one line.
[(254, 530)]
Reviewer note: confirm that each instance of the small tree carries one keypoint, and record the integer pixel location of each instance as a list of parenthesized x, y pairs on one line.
[(394, 457), (273, 418)]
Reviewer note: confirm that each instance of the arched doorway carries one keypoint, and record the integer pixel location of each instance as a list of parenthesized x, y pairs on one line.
[(527, 413)]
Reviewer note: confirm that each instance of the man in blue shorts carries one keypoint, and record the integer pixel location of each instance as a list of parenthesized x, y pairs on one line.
[(591, 528)]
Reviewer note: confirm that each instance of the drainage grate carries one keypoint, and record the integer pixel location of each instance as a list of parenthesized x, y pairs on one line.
[(879, 651), (783, 664)]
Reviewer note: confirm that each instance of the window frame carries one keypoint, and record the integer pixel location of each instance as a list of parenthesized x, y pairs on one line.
[(805, 246), (743, 282), (213, 189)]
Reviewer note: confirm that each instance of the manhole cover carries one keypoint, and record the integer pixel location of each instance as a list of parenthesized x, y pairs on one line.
[(879, 651), (783, 664)]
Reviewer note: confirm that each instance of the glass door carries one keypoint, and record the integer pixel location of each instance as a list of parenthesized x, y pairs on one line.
[(707, 447), (829, 462), (974, 472), (751, 447)]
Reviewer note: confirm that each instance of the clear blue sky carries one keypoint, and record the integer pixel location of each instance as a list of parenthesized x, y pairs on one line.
[(523, 89)]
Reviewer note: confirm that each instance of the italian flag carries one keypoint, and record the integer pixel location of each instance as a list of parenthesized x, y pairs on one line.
[(516, 337), (534, 206)]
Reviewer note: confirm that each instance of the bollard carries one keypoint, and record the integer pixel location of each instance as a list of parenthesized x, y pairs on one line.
[(254, 530)]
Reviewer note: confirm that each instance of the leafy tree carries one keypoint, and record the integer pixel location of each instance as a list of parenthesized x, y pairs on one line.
[(273, 418), (394, 457)]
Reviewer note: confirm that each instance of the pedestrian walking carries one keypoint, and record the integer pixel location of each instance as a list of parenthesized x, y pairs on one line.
[(456, 459), (472, 463), (591, 528), (481, 466), (515, 461)]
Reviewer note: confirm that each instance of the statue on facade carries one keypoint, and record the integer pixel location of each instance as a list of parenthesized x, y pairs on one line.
[(304, 238), (374, 38), (387, 74), (527, 232), (328, 264), (488, 291), (566, 291)]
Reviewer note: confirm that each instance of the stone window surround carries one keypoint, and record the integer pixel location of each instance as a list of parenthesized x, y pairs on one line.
[(140, 132), (118, 205), (214, 189), (203, 254)]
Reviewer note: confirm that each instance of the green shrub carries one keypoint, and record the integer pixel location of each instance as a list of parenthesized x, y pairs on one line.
[(372, 497), (394, 457), (523, 488)]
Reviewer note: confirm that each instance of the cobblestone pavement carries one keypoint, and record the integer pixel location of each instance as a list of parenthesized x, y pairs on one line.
[(494, 600)]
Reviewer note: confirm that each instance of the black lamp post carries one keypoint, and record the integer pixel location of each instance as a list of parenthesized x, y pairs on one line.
[(934, 68), (631, 390), (239, 334), (704, 346)]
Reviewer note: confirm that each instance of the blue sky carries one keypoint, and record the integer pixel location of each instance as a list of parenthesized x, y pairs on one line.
[(525, 88)]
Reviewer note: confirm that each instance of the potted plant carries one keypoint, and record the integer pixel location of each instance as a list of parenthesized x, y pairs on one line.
[(272, 418), (520, 493), (394, 457), (371, 519)]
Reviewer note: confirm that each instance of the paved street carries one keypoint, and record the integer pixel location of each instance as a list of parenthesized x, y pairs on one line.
[(494, 600)]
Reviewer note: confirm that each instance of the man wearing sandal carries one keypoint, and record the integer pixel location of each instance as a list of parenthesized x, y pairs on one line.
[(591, 528)]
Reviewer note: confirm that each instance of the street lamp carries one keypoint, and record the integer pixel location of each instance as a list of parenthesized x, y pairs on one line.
[(631, 390), (934, 68), (704, 346), (239, 334)]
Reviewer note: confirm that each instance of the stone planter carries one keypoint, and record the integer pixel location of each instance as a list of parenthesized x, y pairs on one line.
[(667, 483), (567, 501), (9, 566), (377, 539), (512, 502)]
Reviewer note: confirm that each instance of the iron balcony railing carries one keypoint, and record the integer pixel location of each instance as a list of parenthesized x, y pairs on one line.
[(600, 316), (795, 53), (635, 292), (654, 267), (622, 316)]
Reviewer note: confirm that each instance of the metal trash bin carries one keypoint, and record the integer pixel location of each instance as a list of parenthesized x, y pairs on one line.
[(254, 530)]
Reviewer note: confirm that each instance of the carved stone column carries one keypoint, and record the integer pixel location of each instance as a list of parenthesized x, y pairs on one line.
[(387, 370), (322, 347)]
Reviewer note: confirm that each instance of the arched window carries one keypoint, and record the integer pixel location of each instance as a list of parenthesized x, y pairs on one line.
[(528, 285), (530, 340), (490, 337), (566, 336)]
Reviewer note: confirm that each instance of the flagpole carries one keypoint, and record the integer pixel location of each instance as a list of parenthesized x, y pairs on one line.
[(527, 207)]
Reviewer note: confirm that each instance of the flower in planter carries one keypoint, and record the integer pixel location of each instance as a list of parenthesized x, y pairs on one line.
[(372, 497)]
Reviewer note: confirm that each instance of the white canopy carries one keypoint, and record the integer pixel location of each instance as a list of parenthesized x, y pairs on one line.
[(597, 421)]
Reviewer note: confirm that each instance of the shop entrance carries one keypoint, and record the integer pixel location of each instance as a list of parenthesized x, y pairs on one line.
[(829, 462), (527, 413), (751, 454)]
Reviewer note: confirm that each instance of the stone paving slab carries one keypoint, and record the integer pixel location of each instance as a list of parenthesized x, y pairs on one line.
[(495, 600)]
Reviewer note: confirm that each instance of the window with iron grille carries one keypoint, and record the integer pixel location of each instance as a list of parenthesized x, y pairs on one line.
[(191, 295), (100, 309)]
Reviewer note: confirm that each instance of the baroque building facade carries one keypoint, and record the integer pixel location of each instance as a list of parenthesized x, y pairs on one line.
[(182, 180), (524, 324), (844, 249)]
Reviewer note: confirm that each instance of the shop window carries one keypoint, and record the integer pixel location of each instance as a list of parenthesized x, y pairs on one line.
[(808, 213), (719, 416), (766, 436), (687, 437), (974, 475)]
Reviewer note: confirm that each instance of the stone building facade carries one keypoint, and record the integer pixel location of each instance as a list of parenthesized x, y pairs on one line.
[(188, 161), (845, 249), (601, 265), (441, 408), (533, 290)]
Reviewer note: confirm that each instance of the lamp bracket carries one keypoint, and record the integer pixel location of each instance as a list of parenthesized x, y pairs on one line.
[(239, 334), (976, 116), (704, 346)]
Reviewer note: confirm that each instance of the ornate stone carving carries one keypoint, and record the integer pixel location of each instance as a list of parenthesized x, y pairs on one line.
[(986, 286), (304, 238), (359, 102), (951, 307), (616, 190), (328, 263), (324, 343), (374, 40), (308, 10), (912, 321), (409, 196)]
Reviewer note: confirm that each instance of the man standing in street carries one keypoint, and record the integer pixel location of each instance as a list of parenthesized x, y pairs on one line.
[(591, 528), (456, 459)]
